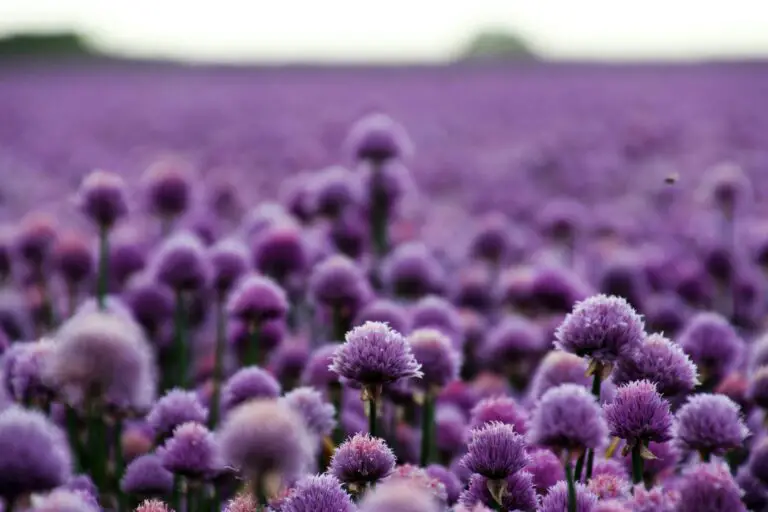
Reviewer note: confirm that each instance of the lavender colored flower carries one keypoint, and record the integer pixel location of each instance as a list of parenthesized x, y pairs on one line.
[(146, 476), (450, 481), (62, 500), (73, 258), (317, 372), (502, 409), (611, 506), (728, 187), (556, 499), (758, 387), (264, 437), (513, 342), (335, 190), (666, 314), (518, 493), (173, 409), (27, 371), (388, 312), (400, 496), (759, 352), (609, 467), (450, 429), (624, 277), (35, 238), (654, 500), (710, 424), (562, 218), (419, 478), (438, 313), (151, 304), (709, 488), (460, 394), (153, 506), (167, 185), (493, 240), (127, 257), (638, 414), (439, 361), (567, 418), (104, 352), (280, 252), (658, 360), (35, 457), (82, 484), (755, 495), (361, 460), (758, 461), (374, 355), (243, 502), (180, 263), (713, 344), (229, 260), (412, 272), (495, 451), (258, 299), (287, 362), (558, 368), (556, 290), (601, 328), (609, 487), (246, 384), (338, 283), (472, 289), (320, 493), (545, 469), (318, 415), (378, 138), (102, 198), (191, 451)]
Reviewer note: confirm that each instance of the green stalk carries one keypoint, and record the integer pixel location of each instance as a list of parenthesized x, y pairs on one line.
[(428, 429), (73, 433), (176, 493), (337, 398), (259, 493), (339, 330), (580, 466), (218, 364), (117, 447), (103, 278), (637, 464), (180, 349), (596, 383), (571, 486), (378, 220), (373, 410), (97, 443), (252, 350)]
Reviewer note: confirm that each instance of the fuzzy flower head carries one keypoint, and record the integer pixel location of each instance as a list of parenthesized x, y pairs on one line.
[(192, 451), (246, 384), (280, 251), (177, 406), (503, 409), (639, 414), (73, 258), (755, 495), (104, 354), (258, 299), (758, 461), (710, 424), (153, 506), (656, 499), (609, 487), (319, 493), (709, 488), (601, 328), (385, 311), (229, 261), (568, 418), (545, 468), (512, 342), (378, 138), (558, 368), (180, 263), (439, 360), (374, 355), (448, 479), (713, 344), (515, 492), (438, 313), (26, 371), (338, 283), (63, 500), (362, 459), (167, 185), (102, 198), (318, 415), (146, 476), (556, 499), (661, 361), (317, 372), (495, 451), (412, 271), (758, 387), (419, 477)]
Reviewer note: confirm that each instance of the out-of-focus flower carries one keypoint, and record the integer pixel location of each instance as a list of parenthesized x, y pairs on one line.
[(35, 238), (496, 451), (362, 460), (257, 299), (180, 263), (609, 487), (146, 476), (518, 494), (558, 368), (318, 415), (385, 311), (102, 198), (378, 138), (710, 424), (503, 409), (713, 344), (656, 499), (545, 469), (317, 372), (513, 345), (492, 240), (450, 481), (229, 261), (339, 284), (153, 506), (73, 258), (709, 488), (439, 360), (638, 414), (167, 186), (755, 495), (191, 451), (279, 252), (556, 499), (173, 409), (246, 384), (63, 500), (438, 313), (758, 461), (758, 387), (399, 496), (412, 272), (419, 478)]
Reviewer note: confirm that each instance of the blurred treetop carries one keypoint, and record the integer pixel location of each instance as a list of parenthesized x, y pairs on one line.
[(63, 44), (497, 45)]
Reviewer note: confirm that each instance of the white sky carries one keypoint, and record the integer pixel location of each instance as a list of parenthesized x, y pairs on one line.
[(400, 29)]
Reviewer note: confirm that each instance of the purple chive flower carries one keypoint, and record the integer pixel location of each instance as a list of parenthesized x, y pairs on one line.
[(180, 263), (502, 409), (374, 355), (176, 407), (419, 478), (82, 484), (755, 495), (661, 361), (562, 218), (665, 314), (710, 424), (127, 257), (280, 252), (471, 289), (264, 437), (492, 241), (150, 303), (361, 460), (35, 452), (378, 138), (759, 352), (624, 277), (191, 451), (438, 313), (518, 494), (318, 415), (545, 468), (556, 499), (258, 299), (450, 481), (102, 198), (728, 187), (736, 387), (27, 373), (400, 496), (609, 487), (335, 190), (758, 387), (317, 372), (601, 328), (243, 502), (610, 467), (709, 488), (339, 284), (167, 185), (63, 500), (100, 351), (654, 500), (713, 344), (246, 384), (412, 272), (287, 362), (513, 344), (146, 476), (638, 414), (319, 493), (495, 451), (758, 461), (611, 506), (35, 238), (556, 290), (568, 418), (450, 430), (388, 312), (439, 361), (229, 260), (558, 368), (73, 258)]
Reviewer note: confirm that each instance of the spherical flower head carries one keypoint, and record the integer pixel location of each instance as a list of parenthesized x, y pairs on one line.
[(385, 311), (280, 251), (451, 429), (82, 484), (126, 258), (439, 360), (471, 290), (400, 496), (601, 328), (545, 469), (609, 487), (562, 218), (246, 384), (517, 492), (318, 493), (492, 240), (556, 290), (63, 500), (665, 314), (709, 488), (174, 408), (419, 478), (661, 361), (258, 299), (512, 341), (153, 506), (36, 455), (624, 277), (374, 355), (102, 198), (287, 362), (191, 451), (317, 371), (567, 418), (728, 187), (611, 506), (556, 499), (35, 238), (378, 138), (710, 424), (335, 189), (27, 372), (362, 459), (448, 479), (151, 303), (167, 185), (228, 261), (495, 451), (639, 414), (263, 437), (758, 387), (338, 283), (713, 344), (106, 353), (503, 409), (411, 271), (558, 368), (440, 314), (180, 263), (318, 415), (755, 495), (73, 258), (758, 461), (146, 476), (610, 467)]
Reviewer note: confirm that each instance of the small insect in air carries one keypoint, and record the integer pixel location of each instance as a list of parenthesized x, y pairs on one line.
[(671, 179)]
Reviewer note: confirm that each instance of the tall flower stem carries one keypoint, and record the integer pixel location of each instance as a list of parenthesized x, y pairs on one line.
[(372, 394), (596, 383), (571, 485), (428, 429), (218, 363), (97, 442), (253, 350), (176, 493), (337, 399), (73, 433), (180, 349), (119, 468), (637, 464), (103, 277), (339, 329)]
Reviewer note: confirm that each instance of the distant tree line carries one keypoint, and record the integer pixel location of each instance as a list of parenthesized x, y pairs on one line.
[(497, 45), (53, 44)]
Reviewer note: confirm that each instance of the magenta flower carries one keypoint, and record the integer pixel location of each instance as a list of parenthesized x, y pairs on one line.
[(495, 451), (361, 460)]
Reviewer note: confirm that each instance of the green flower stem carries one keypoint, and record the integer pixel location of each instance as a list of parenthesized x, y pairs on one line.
[(253, 355), (337, 399), (571, 486), (596, 384), (637, 464), (73, 433), (428, 429), (103, 278), (180, 349), (117, 448), (97, 443), (218, 364)]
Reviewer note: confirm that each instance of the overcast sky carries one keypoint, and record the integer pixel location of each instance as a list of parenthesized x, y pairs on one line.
[(400, 29)]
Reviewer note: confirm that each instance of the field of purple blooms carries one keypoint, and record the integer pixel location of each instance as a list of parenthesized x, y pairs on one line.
[(534, 288)]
